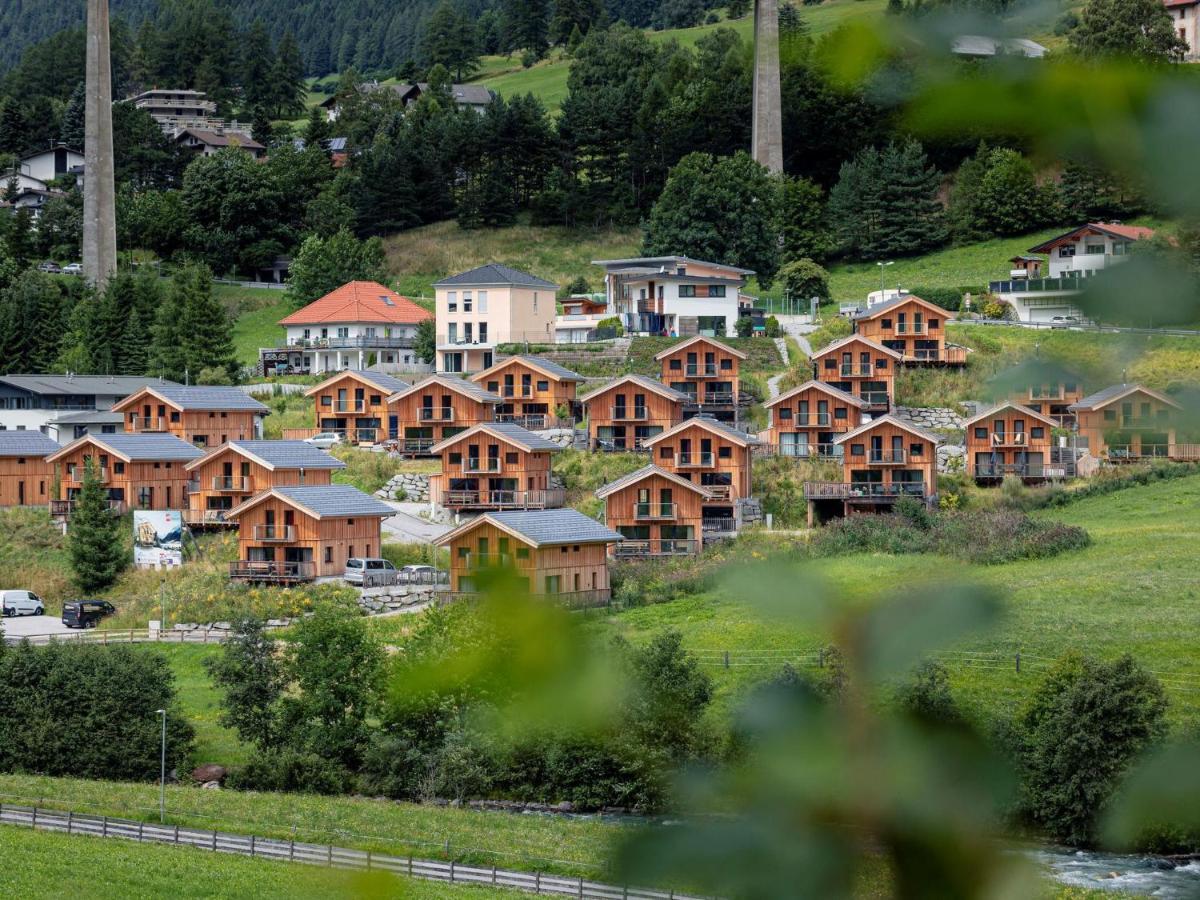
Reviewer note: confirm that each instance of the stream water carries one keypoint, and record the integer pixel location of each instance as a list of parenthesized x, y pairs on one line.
[(1146, 876)]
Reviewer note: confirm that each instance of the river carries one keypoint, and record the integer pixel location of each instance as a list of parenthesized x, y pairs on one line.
[(1147, 876)]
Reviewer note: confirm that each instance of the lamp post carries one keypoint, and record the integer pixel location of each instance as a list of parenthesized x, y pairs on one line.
[(882, 266), (162, 775)]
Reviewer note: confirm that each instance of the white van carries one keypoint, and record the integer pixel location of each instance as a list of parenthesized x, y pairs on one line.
[(369, 571), (21, 603)]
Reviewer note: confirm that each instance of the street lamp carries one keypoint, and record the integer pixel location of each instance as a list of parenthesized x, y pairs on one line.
[(882, 266), (162, 775)]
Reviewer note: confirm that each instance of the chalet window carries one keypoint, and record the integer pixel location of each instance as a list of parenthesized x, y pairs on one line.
[(456, 458), (981, 433), (328, 554), (675, 365), (350, 551), (840, 412), (168, 465), (510, 459), (1037, 431), (885, 324), (563, 549), (494, 387), (933, 324), (376, 399), (785, 413), (466, 301), (158, 465), (727, 365), (212, 415), (725, 453), (856, 450), (831, 362), (915, 450), (543, 385), (452, 301), (224, 415), (1069, 387), (145, 497), (1110, 415), (687, 290), (716, 290), (665, 453), (326, 400), (1094, 249), (464, 552), (42, 488), (174, 417), (522, 553), (350, 522), (553, 584), (1066, 251)]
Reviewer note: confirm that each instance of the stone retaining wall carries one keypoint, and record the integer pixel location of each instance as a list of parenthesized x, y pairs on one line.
[(405, 486), (398, 596), (938, 418)]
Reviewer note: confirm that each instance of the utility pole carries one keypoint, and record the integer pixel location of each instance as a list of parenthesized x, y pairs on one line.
[(99, 188), (162, 774), (767, 129)]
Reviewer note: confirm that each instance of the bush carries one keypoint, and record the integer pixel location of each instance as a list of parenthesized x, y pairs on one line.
[(612, 322), (288, 770), (994, 308), (926, 696), (945, 297), (772, 325)]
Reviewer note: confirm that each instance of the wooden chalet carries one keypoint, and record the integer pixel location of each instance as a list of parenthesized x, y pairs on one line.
[(1010, 439), (627, 413), (805, 421), (533, 392), (495, 465), (715, 456), (657, 512), (140, 471), (558, 553), (882, 460), (1052, 399), (231, 474), (707, 371), (201, 415), (859, 366), (1129, 422), (354, 404), (435, 408), (295, 533), (914, 328), (26, 478)]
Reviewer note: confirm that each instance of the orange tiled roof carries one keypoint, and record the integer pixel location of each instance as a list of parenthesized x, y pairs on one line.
[(359, 301)]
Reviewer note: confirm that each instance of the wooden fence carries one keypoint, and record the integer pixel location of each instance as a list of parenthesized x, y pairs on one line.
[(326, 855)]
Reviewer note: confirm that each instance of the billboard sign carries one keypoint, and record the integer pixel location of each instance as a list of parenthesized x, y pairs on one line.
[(157, 538)]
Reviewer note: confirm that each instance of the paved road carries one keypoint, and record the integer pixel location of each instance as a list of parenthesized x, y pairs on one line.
[(407, 527), (24, 626)]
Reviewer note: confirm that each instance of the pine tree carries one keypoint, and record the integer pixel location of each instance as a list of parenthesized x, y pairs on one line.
[(94, 543), (287, 79), (166, 358), (207, 330), (71, 132), (450, 41), (133, 351), (258, 60)]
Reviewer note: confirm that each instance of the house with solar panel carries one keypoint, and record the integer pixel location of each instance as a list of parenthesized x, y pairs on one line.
[(361, 325), (139, 471), (435, 408), (559, 554), (354, 404), (26, 478), (201, 415), (295, 533), (535, 393), (495, 465), (232, 473)]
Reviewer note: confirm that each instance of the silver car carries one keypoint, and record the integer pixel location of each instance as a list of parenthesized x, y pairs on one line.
[(324, 440), (367, 570)]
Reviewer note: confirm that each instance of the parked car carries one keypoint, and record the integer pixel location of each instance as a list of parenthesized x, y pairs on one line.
[(21, 603), (360, 569), (73, 269), (49, 267), (86, 613), (1064, 322), (417, 570), (325, 439)]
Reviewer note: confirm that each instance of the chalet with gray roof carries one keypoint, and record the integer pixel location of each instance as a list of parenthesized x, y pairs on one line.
[(204, 416)]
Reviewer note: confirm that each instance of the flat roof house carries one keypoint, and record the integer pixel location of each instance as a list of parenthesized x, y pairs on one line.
[(26, 478), (205, 416), (295, 533), (487, 306), (355, 405), (914, 328), (674, 295), (627, 413), (1010, 439), (233, 473), (140, 471), (658, 513), (805, 421), (435, 408), (495, 465), (51, 403), (708, 372), (560, 554), (534, 391), (1128, 422), (361, 325), (174, 110), (861, 367)]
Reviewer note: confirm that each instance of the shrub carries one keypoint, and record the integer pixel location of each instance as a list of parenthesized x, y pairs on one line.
[(288, 770), (772, 327), (926, 695), (945, 297), (994, 308), (613, 322)]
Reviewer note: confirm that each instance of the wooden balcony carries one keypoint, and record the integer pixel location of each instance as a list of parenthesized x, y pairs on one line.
[(907, 328), (552, 498), (63, 509), (856, 370), (75, 475), (695, 460), (862, 491), (275, 534), (644, 511), (630, 413), (717, 525), (999, 471), (701, 370), (1010, 439), (642, 549), (1139, 452), (801, 451), (146, 424), (886, 457), (519, 391), (237, 484), (436, 414), (1140, 423), (488, 560), (207, 518), (272, 572), (721, 493), (349, 406), (481, 464), (952, 356), (875, 400)]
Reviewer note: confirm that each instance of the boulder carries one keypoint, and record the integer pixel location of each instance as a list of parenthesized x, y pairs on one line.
[(208, 772)]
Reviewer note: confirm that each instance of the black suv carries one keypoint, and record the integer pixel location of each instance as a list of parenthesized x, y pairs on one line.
[(86, 613)]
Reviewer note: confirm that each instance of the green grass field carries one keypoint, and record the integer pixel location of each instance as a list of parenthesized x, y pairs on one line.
[(44, 865)]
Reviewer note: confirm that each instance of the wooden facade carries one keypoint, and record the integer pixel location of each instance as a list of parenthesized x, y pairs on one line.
[(1129, 423), (859, 367), (488, 467), (914, 328), (25, 480), (882, 460), (148, 412), (1009, 440), (224, 478), (658, 513), (353, 405), (630, 411), (805, 421), (707, 371), (435, 409), (533, 395), (1052, 399), (711, 455), (132, 483)]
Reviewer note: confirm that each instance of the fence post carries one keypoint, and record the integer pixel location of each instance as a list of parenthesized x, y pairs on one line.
[(252, 845), (104, 827), (727, 659), (292, 850), (537, 882), (176, 834), (330, 857), (410, 867), (493, 874), (33, 821), (1018, 662), (452, 871), (141, 828), (581, 887), (214, 842), (368, 860), (70, 819)]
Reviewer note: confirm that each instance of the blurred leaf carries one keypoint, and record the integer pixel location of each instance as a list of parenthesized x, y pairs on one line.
[(852, 53), (783, 592), (1148, 290), (1163, 790)]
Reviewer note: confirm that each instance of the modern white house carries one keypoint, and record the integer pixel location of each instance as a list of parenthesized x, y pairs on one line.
[(675, 295), (46, 165), (65, 407), (175, 110), (1184, 17), (360, 326), (1040, 291), (580, 317)]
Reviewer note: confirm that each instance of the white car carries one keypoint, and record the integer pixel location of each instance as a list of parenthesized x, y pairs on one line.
[(21, 603), (73, 269), (325, 439), (360, 570)]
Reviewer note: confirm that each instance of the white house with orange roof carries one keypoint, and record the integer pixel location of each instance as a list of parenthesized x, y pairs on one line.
[(1072, 258), (360, 326)]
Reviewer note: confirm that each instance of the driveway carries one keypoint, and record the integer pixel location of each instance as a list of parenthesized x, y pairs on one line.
[(407, 527), (29, 626)]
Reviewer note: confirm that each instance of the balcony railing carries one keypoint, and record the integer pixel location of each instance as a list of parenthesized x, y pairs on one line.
[(267, 570), (1000, 470), (512, 390), (436, 414), (206, 517), (701, 370), (1140, 422), (875, 399), (950, 355), (812, 420), (535, 421), (717, 398), (349, 406), (838, 490), (347, 343), (241, 484), (147, 423), (551, 498), (63, 509), (802, 451), (886, 457), (1035, 285), (691, 459), (488, 560), (911, 328), (630, 413), (1010, 439), (655, 510), (640, 549), (275, 533), (76, 473), (719, 525), (720, 492), (1128, 452), (856, 371), (481, 464), (1049, 394)]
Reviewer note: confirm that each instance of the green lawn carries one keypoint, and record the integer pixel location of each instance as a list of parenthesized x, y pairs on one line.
[(44, 865), (259, 327), (201, 703)]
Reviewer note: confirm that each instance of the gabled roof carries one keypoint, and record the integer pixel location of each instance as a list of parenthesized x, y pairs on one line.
[(1009, 404), (504, 431), (389, 384), (852, 338), (157, 447), (89, 417), (890, 420), (643, 382), (708, 424), (1117, 392), (199, 397), (323, 501), (880, 308), (26, 443), (1122, 232), (274, 455), (223, 139), (672, 350), (542, 528), (104, 385), (495, 274), (359, 301), (466, 388), (834, 392), (645, 472), (551, 369)]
